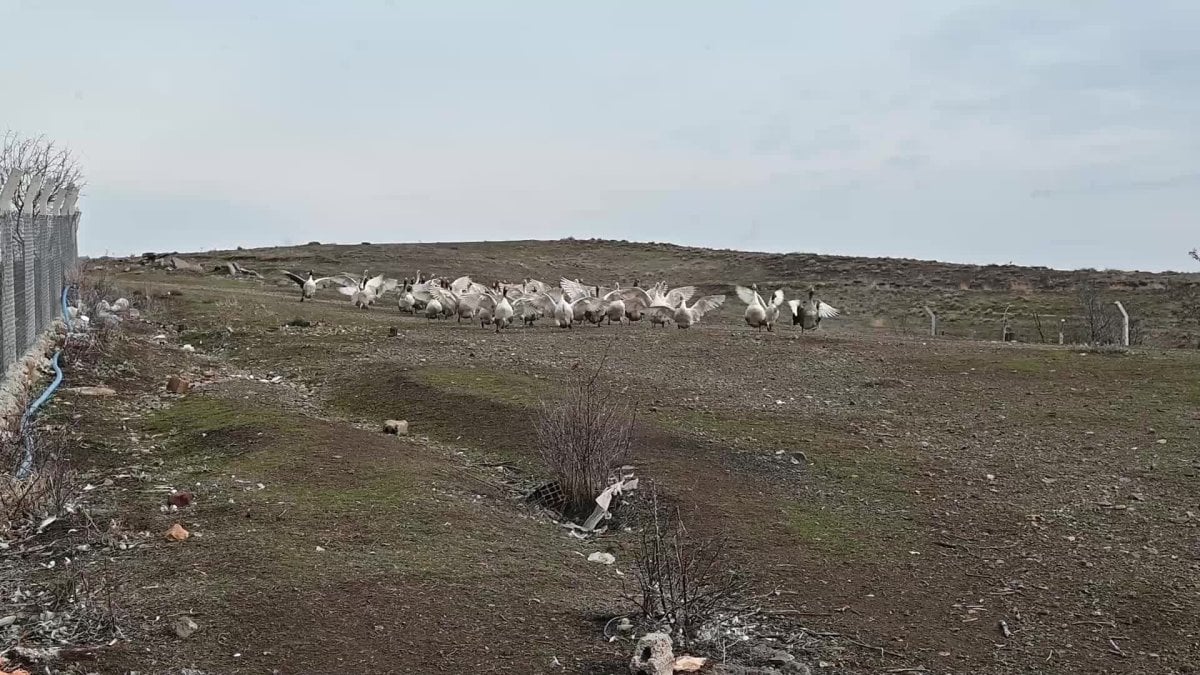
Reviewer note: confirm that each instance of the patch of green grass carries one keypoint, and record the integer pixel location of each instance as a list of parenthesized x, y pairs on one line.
[(496, 385), (203, 424), (824, 529)]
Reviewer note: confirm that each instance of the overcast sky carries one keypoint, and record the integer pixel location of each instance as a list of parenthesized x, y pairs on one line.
[(1054, 133)]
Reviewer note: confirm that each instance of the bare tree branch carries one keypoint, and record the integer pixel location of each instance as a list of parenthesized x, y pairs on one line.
[(38, 155)]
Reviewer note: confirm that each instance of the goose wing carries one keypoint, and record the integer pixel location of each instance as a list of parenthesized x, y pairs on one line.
[(777, 298), (477, 301), (826, 311), (707, 304), (422, 291), (680, 295), (476, 287), (749, 296), (294, 277), (461, 284), (348, 290), (543, 301), (574, 289), (446, 297), (325, 281), (535, 286), (631, 297), (794, 307)]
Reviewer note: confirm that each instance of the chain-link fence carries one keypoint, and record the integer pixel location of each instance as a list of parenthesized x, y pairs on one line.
[(37, 252)]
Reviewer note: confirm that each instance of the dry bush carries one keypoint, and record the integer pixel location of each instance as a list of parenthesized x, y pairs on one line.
[(683, 586), (1101, 320), (582, 436), (92, 288), (48, 487)]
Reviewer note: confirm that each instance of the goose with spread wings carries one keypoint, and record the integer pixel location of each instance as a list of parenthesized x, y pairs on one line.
[(759, 313), (808, 314), (684, 316), (365, 290), (309, 285)]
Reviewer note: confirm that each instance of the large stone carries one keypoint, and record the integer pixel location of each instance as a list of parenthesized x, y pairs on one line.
[(396, 427), (178, 385), (653, 656)]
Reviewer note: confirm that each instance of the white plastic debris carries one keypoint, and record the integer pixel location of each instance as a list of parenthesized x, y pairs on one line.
[(602, 558), (188, 349)]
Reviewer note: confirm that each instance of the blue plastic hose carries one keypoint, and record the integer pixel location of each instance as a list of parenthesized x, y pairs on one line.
[(27, 461)]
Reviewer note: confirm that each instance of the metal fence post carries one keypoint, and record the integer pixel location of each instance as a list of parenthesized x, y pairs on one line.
[(8, 308), (41, 274)]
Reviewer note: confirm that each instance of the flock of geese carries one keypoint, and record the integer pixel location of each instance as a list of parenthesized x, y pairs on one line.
[(571, 302)]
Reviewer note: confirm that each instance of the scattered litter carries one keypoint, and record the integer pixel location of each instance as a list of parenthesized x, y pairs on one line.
[(46, 523), (320, 550), (602, 557), (185, 627), (92, 391), (188, 349), (626, 482), (8, 620), (177, 533), (689, 664)]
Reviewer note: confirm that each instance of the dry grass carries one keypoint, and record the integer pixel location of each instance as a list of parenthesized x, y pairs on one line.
[(47, 487)]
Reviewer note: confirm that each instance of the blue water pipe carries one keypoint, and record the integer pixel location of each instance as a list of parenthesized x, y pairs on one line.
[(27, 461)]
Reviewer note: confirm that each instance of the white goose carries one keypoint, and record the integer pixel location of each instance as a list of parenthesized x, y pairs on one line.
[(808, 314), (686, 317), (365, 291), (759, 313), (553, 302), (309, 286)]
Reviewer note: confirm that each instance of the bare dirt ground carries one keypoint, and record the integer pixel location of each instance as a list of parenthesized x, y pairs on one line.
[(901, 502)]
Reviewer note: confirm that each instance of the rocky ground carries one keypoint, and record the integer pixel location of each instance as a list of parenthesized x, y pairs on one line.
[(900, 504)]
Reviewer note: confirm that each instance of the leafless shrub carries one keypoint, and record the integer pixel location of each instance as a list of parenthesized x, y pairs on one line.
[(93, 287), (38, 156), (48, 486), (582, 436), (682, 584), (1101, 321), (1195, 253)]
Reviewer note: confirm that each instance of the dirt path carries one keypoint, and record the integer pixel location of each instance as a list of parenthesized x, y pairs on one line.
[(962, 507)]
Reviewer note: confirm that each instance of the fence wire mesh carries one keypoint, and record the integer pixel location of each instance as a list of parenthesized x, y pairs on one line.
[(36, 254)]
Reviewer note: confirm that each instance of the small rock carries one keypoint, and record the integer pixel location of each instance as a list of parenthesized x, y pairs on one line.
[(396, 427), (1161, 441), (393, 331), (8, 620), (602, 558), (185, 627), (177, 533), (653, 656), (180, 499), (300, 323), (188, 349), (92, 391), (178, 385)]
